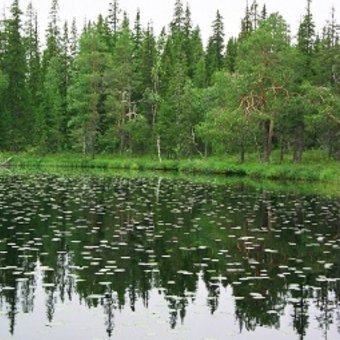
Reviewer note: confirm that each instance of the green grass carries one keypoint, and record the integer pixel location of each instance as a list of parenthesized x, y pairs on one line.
[(314, 167)]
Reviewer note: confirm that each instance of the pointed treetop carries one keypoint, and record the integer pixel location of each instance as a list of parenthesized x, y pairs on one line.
[(264, 12), (178, 20), (137, 30), (187, 21), (113, 17)]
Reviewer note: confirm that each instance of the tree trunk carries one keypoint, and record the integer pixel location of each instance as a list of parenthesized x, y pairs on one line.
[(159, 148), (268, 126), (282, 151), (298, 144), (242, 154)]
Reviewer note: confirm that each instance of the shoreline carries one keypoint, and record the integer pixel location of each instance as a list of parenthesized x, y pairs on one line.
[(310, 172)]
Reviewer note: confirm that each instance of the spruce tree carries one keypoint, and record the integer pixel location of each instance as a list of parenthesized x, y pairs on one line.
[(264, 12), (215, 49), (74, 45), (148, 61), (49, 125), (306, 40), (231, 55), (137, 37), (254, 14), (86, 90), (34, 74), (122, 81), (177, 23), (16, 97), (114, 19), (306, 33), (53, 36), (65, 61), (196, 59), (246, 24)]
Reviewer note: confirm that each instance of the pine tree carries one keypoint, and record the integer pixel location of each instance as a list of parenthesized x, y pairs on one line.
[(53, 101), (196, 58), (15, 67), (174, 48), (65, 61), (263, 58), (171, 112), (53, 46), (187, 24), (87, 90), (114, 19), (214, 58), (306, 33), (137, 37), (326, 73), (50, 120), (122, 82), (74, 46), (306, 41), (254, 14), (246, 24), (200, 74), (137, 31), (231, 55), (4, 119), (149, 61), (34, 75), (264, 12), (177, 23)]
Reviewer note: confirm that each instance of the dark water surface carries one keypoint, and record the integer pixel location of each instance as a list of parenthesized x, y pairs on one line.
[(94, 257)]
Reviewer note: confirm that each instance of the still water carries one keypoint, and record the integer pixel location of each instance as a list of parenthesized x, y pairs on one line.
[(98, 257)]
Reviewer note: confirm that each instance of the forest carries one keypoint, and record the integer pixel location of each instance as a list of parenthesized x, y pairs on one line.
[(117, 88)]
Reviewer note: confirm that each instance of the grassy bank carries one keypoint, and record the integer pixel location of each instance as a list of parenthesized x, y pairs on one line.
[(313, 169)]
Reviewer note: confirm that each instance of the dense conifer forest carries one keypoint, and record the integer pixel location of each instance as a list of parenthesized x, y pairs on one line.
[(117, 88)]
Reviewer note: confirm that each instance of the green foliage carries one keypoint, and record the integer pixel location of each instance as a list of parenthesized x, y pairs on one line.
[(87, 90), (119, 89), (16, 112), (215, 49)]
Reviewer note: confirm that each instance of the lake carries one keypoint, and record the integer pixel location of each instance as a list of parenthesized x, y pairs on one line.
[(98, 256)]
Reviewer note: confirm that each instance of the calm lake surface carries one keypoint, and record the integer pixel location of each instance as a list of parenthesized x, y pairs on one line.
[(93, 257)]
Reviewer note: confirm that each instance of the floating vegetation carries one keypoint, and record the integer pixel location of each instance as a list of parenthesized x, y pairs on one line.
[(116, 242)]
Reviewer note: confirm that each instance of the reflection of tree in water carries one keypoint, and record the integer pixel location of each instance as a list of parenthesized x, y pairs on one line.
[(156, 242), (109, 305), (300, 315), (326, 307)]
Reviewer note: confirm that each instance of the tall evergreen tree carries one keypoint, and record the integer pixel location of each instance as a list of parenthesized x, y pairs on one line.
[(196, 59), (246, 24), (137, 37), (53, 91), (65, 61), (306, 33), (255, 15), (87, 90), (306, 40), (148, 62), (177, 23), (137, 31), (74, 45), (231, 55), (215, 49), (114, 19), (16, 96), (34, 75), (121, 78), (53, 35), (264, 58)]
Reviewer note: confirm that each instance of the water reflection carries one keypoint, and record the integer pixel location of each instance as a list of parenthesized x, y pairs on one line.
[(114, 242)]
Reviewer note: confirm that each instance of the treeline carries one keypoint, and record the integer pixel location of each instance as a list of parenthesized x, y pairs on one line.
[(118, 88)]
